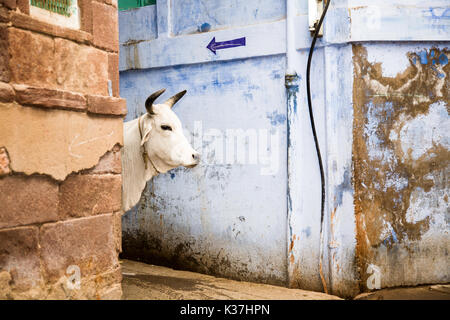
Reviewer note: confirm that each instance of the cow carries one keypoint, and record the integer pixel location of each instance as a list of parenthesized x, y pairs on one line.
[(154, 143)]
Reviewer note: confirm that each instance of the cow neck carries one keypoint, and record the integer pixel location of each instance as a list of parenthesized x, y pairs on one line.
[(145, 155)]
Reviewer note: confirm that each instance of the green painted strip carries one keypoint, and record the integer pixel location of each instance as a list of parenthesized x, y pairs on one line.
[(131, 4)]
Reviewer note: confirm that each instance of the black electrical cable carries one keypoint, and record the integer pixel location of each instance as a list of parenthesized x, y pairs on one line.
[(313, 128)]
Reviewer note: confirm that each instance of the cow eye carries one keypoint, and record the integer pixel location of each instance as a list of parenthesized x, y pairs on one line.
[(164, 127)]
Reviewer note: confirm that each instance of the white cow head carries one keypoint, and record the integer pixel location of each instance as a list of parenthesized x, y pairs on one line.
[(162, 134)]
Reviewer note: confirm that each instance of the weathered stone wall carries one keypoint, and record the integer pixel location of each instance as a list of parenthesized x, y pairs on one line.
[(60, 139)]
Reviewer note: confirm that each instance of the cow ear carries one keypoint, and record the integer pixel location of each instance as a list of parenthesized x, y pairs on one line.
[(146, 135)]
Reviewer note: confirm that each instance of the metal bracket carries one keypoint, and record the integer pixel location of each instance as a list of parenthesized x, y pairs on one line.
[(315, 9)]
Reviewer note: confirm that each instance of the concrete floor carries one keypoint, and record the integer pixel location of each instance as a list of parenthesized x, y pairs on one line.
[(144, 281), (429, 292), (148, 282)]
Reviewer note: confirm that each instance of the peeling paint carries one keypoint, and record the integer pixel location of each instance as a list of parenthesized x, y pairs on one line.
[(276, 118), (4, 162), (400, 152)]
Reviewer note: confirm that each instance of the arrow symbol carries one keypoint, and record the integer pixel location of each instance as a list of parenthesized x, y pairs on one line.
[(213, 45)]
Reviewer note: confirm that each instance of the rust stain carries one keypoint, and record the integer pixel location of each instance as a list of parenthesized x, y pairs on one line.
[(291, 246), (384, 103), (333, 243)]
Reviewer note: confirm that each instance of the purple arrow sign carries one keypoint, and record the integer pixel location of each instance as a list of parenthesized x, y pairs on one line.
[(213, 45)]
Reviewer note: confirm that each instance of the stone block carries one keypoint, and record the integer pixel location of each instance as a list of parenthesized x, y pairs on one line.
[(86, 242), (4, 15), (27, 200), (49, 98), (5, 73), (19, 255), (85, 15), (107, 105), (6, 92), (84, 195), (26, 22), (10, 4), (31, 58), (105, 26), (81, 68)]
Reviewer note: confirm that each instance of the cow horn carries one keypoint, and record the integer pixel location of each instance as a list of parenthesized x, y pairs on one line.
[(151, 99), (171, 101)]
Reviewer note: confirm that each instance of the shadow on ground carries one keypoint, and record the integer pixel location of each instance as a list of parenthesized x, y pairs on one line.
[(148, 282), (144, 281)]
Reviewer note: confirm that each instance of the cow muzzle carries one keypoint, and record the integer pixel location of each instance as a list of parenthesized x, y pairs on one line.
[(196, 160)]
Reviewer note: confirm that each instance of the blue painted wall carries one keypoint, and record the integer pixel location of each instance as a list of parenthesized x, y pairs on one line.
[(138, 25), (228, 218), (189, 16)]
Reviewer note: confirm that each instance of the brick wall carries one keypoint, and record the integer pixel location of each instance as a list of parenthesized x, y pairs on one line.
[(60, 139)]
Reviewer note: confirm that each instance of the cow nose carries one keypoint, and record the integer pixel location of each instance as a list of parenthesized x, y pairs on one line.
[(196, 157)]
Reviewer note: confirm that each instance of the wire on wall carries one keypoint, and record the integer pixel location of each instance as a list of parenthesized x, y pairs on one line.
[(316, 142)]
